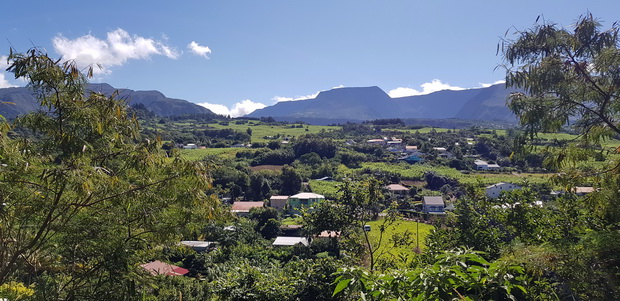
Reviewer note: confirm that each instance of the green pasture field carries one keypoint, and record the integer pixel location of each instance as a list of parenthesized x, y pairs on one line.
[(399, 227), (326, 188), (292, 221), (264, 130), (200, 153), (411, 171), (413, 131), (416, 171)]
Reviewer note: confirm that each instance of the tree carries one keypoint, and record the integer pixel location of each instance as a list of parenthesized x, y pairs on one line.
[(565, 74), (85, 196), (571, 77), (460, 274), (291, 181), (326, 148), (357, 204), (267, 222)]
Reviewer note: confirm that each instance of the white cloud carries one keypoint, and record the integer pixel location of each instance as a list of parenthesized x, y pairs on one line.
[(199, 50), (4, 83), (118, 47), (309, 96), (485, 85), (427, 88), (403, 92), (241, 108), (216, 108), (282, 98)]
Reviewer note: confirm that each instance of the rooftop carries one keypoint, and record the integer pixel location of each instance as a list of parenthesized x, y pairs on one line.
[(433, 200), (329, 234), (245, 206), (161, 268), (308, 195), (396, 187), (290, 241)]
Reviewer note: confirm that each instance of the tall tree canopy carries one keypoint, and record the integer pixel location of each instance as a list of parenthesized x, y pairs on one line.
[(566, 75), (84, 198)]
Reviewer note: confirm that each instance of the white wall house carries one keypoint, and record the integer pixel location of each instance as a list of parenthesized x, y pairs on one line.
[(493, 191), (433, 204), (484, 165)]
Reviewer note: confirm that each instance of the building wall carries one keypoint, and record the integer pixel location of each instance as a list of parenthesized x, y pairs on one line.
[(279, 204), (295, 203), (433, 208), (495, 191)]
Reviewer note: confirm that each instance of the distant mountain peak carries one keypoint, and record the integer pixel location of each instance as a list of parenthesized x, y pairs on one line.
[(367, 103), (20, 101)]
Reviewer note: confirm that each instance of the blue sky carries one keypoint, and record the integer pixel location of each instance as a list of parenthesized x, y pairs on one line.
[(236, 56)]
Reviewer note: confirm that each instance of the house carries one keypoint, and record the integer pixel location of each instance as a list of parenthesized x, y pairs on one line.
[(440, 149), (395, 142), (376, 141), (582, 190), (413, 157), (328, 179), (447, 155), (161, 268), (243, 208), (304, 199), (397, 189), (433, 204), (290, 241), (278, 201), (198, 245), (483, 165), (411, 148), (329, 234), (493, 166), (494, 191), (190, 146)]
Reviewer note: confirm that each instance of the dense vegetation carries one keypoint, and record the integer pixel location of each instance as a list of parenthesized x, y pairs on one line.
[(92, 189)]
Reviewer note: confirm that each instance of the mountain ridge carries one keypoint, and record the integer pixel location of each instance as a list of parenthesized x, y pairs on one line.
[(368, 103), (16, 101)]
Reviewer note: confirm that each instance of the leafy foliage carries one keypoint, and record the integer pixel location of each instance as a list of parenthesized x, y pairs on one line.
[(86, 198), (460, 274)]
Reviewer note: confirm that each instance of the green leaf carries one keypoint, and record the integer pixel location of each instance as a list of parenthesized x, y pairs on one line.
[(341, 285)]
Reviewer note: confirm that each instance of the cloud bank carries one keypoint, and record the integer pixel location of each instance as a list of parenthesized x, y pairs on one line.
[(239, 109), (427, 88), (199, 50), (434, 86), (118, 47), (309, 96), (486, 85), (4, 83)]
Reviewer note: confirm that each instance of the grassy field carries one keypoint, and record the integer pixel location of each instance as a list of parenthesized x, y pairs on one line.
[(412, 171), (416, 171), (401, 254), (326, 188), (262, 130), (199, 154), (421, 130)]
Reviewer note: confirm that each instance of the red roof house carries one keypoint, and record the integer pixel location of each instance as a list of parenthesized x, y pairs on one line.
[(161, 268)]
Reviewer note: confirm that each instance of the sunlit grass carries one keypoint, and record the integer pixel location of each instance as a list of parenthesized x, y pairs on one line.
[(200, 153), (259, 132), (400, 254)]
